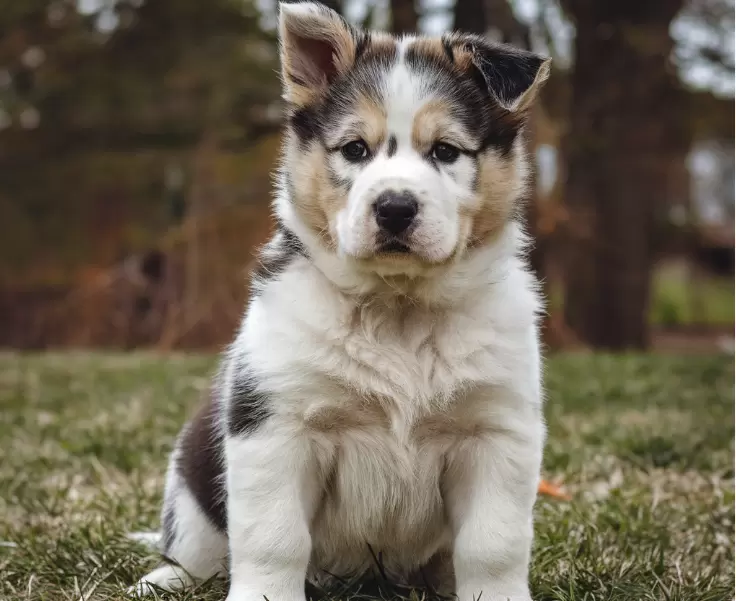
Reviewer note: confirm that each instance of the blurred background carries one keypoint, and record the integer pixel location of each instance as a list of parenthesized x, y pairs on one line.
[(138, 137)]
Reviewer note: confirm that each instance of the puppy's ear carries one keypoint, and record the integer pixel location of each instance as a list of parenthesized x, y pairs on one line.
[(513, 76), (316, 46)]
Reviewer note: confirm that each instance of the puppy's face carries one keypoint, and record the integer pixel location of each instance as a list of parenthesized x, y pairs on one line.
[(402, 153)]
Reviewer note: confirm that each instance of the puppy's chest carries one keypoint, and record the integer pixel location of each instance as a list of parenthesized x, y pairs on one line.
[(381, 491), (412, 356), (394, 404)]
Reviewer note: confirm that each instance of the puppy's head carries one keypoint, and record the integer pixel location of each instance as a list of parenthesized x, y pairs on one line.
[(401, 153)]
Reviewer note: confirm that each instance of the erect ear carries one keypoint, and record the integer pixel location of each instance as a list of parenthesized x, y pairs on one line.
[(316, 46), (513, 76)]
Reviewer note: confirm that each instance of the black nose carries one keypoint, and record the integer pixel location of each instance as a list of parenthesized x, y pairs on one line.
[(395, 211)]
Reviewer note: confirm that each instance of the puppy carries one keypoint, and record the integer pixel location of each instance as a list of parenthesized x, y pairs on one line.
[(382, 397)]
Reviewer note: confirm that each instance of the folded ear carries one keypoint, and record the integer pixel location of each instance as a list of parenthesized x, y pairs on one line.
[(316, 46), (513, 76)]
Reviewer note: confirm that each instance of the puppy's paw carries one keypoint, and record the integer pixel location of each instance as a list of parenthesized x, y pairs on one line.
[(140, 589), (168, 577)]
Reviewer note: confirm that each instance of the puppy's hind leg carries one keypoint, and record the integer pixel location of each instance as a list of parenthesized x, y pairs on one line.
[(196, 548)]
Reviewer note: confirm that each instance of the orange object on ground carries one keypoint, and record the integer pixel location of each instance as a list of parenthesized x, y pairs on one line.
[(552, 490)]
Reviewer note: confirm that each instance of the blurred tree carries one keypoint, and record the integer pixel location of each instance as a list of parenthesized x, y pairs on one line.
[(335, 5), (162, 70), (138, 78), (502, 24), (623, 127), (404, 16), (470, 16), (704, 31)]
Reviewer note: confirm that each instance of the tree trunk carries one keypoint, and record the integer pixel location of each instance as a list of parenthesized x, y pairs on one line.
[(404, 17), (503, 24), (618, 145), (470, 16)]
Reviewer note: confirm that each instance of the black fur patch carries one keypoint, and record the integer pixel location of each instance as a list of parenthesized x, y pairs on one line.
[(305, 124), (362, 40), (276, 257), (502, 137), (201, 463), (337, 181), (248, 407), (168, 527), (508, 71), (391, 145), (449, 52)]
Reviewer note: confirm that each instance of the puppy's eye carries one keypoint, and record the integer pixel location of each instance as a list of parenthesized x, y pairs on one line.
[(355, 151), (445, 153)]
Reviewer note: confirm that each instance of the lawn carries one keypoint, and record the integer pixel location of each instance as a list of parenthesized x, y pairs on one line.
[(645, 445)]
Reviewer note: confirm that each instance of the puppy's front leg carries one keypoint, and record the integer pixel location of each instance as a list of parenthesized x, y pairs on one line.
[(273, 490), (490, 489)]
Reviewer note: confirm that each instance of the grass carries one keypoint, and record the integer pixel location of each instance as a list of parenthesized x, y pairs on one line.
[(678, 299), (644, 443)]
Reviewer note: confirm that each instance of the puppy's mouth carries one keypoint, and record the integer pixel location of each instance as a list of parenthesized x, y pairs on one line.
[(393, 247)]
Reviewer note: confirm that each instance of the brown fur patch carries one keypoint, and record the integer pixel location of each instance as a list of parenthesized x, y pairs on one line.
[(445, 428), (501, 183), (430, 123), (431, 47), (371, 115), (381, 45), (331, 419), (462, 53), (463, 58), (315, 196)]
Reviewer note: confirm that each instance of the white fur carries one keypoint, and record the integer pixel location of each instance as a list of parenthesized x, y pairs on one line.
[(165, 577), (198, 546), (272, 477)]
